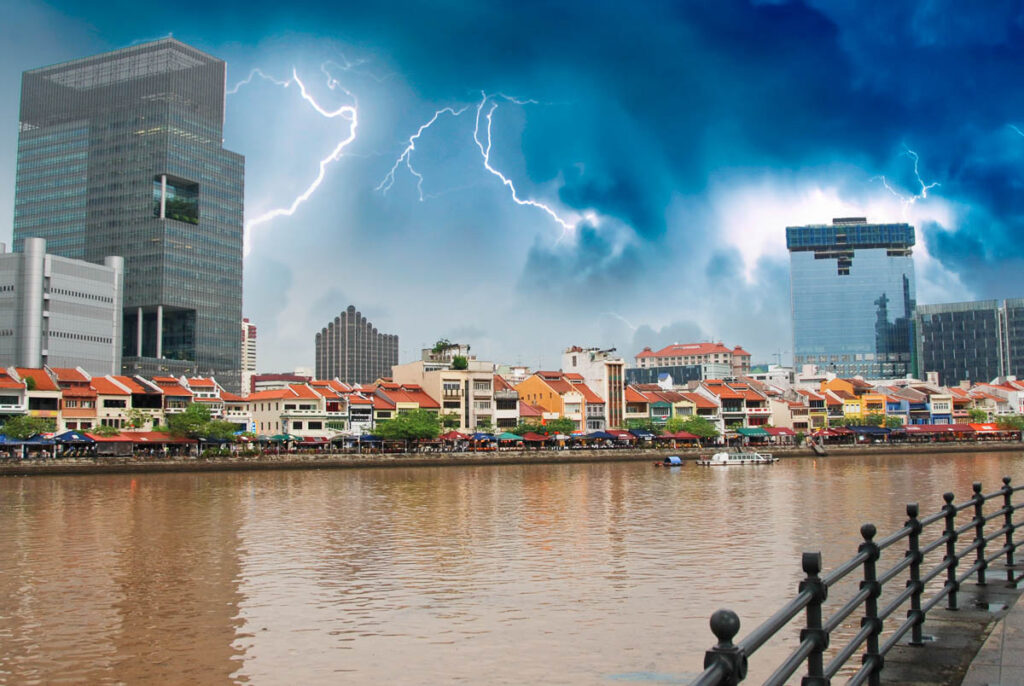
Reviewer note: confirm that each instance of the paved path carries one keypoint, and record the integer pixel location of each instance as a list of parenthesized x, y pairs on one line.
[(1001, 658)]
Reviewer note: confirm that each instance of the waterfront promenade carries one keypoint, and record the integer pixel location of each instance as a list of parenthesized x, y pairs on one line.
[(1001, 658)]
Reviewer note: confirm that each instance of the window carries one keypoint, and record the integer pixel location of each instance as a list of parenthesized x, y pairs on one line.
[(296, 425), (175, 198), (314, 426)]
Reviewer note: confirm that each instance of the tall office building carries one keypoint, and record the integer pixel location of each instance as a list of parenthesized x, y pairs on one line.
[(852, 293), (971, 341), (350, 349), (248, 355), (121, 154), (60, 312)]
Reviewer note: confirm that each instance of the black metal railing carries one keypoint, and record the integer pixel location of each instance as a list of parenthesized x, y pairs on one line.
[(726, 663)]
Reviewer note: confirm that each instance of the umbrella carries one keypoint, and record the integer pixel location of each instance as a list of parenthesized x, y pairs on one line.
[(73, 438), (38, 439), (507, 436), (478, 436), (454, 436)]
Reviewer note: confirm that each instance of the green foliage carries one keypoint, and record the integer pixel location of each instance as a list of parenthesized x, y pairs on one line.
[(675, 424), (30, 383), (460, 362), (106, 431), (643, 424), (441, 345), (410, 425), (1012, 423), (137, 418), (191, 422), (218, 429), (335, 424), (893, 422), (800, 437), (450, 420), (524, 427), (25, 427), (977, 415), (699, 427), (562, 425), (485, 425), (874, 419)]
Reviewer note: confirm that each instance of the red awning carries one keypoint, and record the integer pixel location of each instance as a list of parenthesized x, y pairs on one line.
[(779, 431), (619, 433), (534, 437), (313, 440), (454, 436), (679, 435), (985, 428), (938, 428)]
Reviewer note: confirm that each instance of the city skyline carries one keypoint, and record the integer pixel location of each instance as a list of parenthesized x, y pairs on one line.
[(667, 177)]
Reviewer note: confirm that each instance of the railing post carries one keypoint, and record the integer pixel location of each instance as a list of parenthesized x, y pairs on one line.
[(725, 624), (950, 559), (914, 553), (815, 661), (1010, 526), (979, 531), (870, 617)]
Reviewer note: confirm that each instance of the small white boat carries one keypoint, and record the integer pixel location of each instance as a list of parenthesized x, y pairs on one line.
[(726, 458)]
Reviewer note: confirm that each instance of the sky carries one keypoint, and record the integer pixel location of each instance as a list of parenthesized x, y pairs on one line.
[(598, 173)]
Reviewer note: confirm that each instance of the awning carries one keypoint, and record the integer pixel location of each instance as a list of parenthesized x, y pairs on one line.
[(454, 436), (480, 436), (73, 437), (779, 431), (509, 436), (938, 428), (600, 435), (870, 430), (985, 428), (313, 440), (38, 439), (622, 435), (678, 435), (641, 433), (534, 437), (752, 432)]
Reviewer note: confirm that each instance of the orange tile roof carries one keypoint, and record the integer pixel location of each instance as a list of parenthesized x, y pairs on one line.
[(410, 393), (588, 394), (684, 349), (304, 392), (132, 385), (573, 376), (105, 386), (528, 410), (634, 396), (500, 384), (200, 382), (78, 392), (722, 390), (740, 351), (229, 397), (42, 379), (7, 382), (68, 375), (700, 401)]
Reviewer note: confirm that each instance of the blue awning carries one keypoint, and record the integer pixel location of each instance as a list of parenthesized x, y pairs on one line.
[(73, 437), (601, 435), (641, 433), (869, 430), (38, 439)]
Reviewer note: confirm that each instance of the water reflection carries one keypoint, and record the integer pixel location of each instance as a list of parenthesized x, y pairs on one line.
[(546, 573)]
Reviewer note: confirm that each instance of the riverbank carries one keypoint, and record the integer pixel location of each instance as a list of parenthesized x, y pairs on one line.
[(132, 465)]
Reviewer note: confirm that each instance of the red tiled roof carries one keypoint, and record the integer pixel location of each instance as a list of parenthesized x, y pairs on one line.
[(588, 394), (201, 383), (7, 382), (700, 401), (105, 386), (42, 379), (132, 385), (232, 398), (175, 390), (304, 392), (635, 396), (380, 403), (528, 410), (500, 384), (683, 349), (140, 437), (78, 392), (740, 351), (722, 390), (68, 375), (409, 393), (272, 394), (572, 376)]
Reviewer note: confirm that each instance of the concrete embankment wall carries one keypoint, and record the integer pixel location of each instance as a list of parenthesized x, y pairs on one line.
[(113, 465)]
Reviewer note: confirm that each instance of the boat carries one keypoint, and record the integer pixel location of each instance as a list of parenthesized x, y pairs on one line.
[(731, 457), (670, 461)]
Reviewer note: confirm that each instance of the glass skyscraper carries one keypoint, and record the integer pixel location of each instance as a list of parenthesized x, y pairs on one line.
[(122, 154), (971, 341), (852, 290)]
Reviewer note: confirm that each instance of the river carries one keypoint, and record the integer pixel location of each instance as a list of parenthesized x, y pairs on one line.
[(555, 574)]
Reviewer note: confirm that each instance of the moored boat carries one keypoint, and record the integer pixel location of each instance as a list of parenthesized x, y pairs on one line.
[(731, 457), (670, 461)]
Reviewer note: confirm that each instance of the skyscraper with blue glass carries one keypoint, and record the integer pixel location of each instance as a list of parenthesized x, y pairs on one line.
[(122, 154), (852, 294)]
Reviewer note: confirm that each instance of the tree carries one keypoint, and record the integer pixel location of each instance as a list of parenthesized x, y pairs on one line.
[(1012, 423), (30, 383), (137, 418), (460, 362), (106, 431), (218, 429), (451, 420), (977, 415), (525, 427), (412, 425), (190, 422), (874, 419), (441, 345), (675, 424), (485, 425), (25, 427), (643, 425), (893, 422), (562, 425), (700, 427)]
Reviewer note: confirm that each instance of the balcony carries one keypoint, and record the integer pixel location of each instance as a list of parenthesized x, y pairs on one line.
[(759, 410)]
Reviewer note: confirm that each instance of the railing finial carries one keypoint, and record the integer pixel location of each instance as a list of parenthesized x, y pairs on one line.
[(868, 531), (725, 624)]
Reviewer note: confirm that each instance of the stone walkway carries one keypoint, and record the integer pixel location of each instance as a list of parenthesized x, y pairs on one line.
[(1000, 662)]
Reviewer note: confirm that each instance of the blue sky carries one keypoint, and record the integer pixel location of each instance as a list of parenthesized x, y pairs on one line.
[(671, 144)]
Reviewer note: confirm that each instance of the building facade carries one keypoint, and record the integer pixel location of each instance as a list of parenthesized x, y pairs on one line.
[(121, 154), (715, 359), (853, 297), (971, 341), (605, 374), (466, 393), (248, 354), (60, 312), (351, 350)]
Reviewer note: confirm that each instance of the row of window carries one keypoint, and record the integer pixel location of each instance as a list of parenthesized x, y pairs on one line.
[(79, 294), (79, 337)]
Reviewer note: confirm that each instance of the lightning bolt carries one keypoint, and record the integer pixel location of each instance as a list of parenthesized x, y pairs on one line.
[(485, 151), (922, 194), (389, 179), (347, 112)]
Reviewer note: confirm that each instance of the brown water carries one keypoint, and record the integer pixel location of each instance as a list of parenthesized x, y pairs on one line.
[(555, 574)]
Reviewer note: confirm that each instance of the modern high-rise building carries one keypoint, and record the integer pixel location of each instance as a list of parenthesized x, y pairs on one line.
[(852, 292), (971, 341), (122, 154), (350, 349), (248, 354), (59, 312)]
